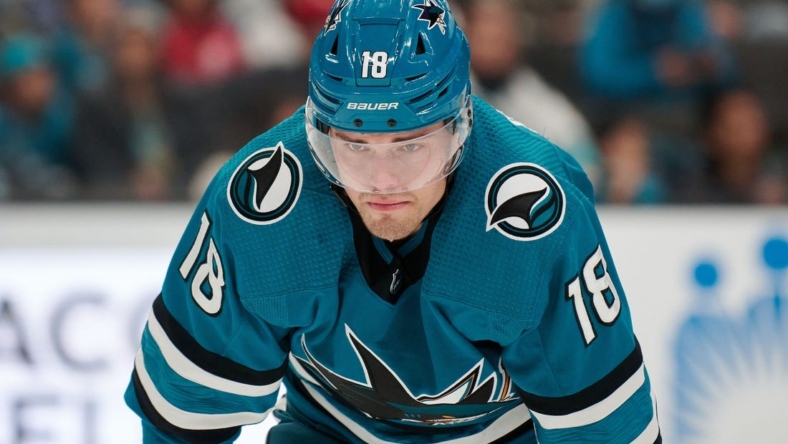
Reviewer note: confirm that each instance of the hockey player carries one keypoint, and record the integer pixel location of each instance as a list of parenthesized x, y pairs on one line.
[(451, 283)]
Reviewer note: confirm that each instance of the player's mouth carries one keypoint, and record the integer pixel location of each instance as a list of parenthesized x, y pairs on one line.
[(387, 206)]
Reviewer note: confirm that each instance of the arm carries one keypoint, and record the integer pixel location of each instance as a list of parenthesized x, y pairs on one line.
[(206, 365), (578, 366)]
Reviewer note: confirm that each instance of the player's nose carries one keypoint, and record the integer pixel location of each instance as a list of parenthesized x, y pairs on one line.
[(384, 175)]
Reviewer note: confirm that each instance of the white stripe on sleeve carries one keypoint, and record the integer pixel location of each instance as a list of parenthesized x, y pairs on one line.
[(598, 411), (650, 434), (184, 367), (188, 420)]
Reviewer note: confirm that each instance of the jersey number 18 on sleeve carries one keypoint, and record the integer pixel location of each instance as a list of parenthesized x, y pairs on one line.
[(596, 284), (210, 270)]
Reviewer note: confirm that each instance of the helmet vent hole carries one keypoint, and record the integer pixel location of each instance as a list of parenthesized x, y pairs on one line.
[(392, 123), (335, 46), (421, 97), (358, 122), (420, 48), (443, 93)]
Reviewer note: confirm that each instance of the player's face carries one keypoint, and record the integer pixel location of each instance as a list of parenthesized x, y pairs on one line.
[(392, 216)]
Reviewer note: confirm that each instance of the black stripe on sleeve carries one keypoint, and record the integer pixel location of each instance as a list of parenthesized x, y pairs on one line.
[(590, 395), (191, 436), (659, 439), (517, 433), (209, 361)]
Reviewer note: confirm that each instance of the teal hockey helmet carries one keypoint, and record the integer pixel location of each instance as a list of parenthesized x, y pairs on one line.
[(386, 67)]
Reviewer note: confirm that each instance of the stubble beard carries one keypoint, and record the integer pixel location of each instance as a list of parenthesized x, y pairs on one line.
[(391, 228)]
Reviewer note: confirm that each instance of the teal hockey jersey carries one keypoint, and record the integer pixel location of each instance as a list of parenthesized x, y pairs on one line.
[(502, 320)]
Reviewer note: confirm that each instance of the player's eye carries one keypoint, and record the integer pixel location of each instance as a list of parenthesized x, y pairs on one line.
[(410, 148), (357, 148)]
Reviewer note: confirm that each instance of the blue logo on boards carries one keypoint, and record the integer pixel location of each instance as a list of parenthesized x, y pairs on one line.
[(731, 383)]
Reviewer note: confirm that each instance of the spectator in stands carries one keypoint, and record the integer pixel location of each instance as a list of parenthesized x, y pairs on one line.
[(199, 45), (726, 19), (82, 43), (630, 175), (643, 165), (741, 165), (654, 62), (655, 59), (35, 122), (310, 17), (138, 138), (501, 76), (269, 39), (653, 49), (258, 99), (264, 97)]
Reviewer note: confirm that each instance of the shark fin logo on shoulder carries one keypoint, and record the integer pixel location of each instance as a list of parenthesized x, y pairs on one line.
[(524, 202), (265, 187)]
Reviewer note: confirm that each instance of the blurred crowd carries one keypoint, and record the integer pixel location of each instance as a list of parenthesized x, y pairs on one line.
[(661, 101)]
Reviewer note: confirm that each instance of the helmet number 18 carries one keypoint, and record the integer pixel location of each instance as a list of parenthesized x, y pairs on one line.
[(378, 61)]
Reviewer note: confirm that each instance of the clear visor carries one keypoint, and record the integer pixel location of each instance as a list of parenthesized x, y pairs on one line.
[(389, 163)]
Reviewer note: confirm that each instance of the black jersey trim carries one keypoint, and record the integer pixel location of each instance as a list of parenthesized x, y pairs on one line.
[(519, 432), (408, 269), (191, 436), (380, 275), (590, 395), (211, 362)]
